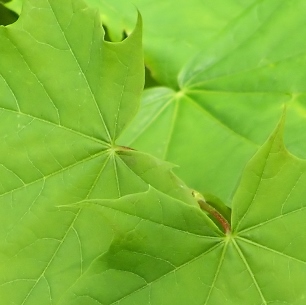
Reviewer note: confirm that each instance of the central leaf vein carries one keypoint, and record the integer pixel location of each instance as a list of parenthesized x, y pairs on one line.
[(84, 75)]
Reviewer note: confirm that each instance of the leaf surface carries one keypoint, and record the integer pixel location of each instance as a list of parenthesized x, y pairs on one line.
[(171, 36), (6, 15), (65, 96), (230, 96), (14, 5), (167, 252)]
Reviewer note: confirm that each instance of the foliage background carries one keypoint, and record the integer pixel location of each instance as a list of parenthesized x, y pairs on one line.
[(225, 71), (223, 68), (218, 85)]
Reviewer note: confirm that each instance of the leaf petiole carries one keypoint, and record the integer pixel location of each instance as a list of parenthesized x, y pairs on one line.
[(205, 206)]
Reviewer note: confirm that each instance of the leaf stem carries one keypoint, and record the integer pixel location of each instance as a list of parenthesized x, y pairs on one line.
[(219, 217), (205, 206)]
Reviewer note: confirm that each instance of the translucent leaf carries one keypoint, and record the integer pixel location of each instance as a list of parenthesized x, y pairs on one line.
[(171, 36), (15, 5), (230, 98), (170, 253), (65, 96)]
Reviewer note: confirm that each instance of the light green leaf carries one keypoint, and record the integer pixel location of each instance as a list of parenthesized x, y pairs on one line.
[(167, 252), (6, 15), (118, 16), (174, 30), (154, 235), (65, 96), (230, 97), (15, 6)]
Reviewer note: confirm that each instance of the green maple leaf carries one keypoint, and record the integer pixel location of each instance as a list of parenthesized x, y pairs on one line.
[(167, 252), (65, 96), (230, 97), (14, 5), (226, 101), (6, 15), (171, 36)]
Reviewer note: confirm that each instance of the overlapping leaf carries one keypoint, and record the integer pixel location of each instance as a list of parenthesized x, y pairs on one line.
[(14, 5), (174, 30), (6, 15), (230, 97), (167, 252), (65, 96)]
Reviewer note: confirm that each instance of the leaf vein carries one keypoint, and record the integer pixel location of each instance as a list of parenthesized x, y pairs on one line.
[(55, 173), (255, 244), (52, 258), (38, 81), (250, 272), (83, 73), (167, 273)]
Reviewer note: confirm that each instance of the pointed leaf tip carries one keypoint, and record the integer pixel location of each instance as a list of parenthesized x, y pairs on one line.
[(280, 127)]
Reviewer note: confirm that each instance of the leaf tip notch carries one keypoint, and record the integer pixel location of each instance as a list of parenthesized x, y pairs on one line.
[(126, 60), (276, 139), (281, 123)]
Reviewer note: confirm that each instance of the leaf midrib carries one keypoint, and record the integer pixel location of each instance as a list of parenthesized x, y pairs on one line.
[(269, 249), (251, 274), (227, 128), (52, 257), (249, 37), (57, 172), (166, 274), (83, 73), (224, 76), (57, 126), (71, 227)]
